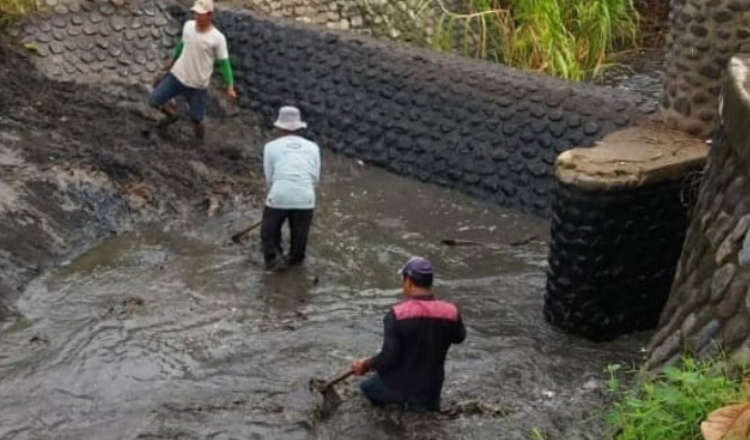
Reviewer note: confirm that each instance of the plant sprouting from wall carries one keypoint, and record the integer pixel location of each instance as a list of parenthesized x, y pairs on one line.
[(566, 38)]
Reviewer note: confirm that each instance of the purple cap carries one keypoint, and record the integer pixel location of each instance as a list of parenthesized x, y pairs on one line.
[(417, 267)]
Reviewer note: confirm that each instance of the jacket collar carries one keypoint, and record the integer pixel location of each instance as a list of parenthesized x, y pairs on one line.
[(430, 297)]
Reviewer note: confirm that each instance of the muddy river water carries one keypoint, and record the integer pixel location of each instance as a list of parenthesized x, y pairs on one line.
[(173, 333)]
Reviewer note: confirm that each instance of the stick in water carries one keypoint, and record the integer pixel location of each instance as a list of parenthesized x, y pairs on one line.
[(456, 242), (237, 237)]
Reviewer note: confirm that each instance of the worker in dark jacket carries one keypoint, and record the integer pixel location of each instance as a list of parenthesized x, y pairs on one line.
[(409, 369)]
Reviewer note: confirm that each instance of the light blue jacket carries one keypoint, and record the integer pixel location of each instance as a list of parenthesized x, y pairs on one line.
[(292, 168)]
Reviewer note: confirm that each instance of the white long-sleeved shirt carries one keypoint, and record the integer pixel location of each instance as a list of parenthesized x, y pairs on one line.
[(200, 52), (292, 168)]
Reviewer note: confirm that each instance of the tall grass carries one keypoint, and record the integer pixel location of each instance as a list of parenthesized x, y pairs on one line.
[(12, 10), (566, 38)]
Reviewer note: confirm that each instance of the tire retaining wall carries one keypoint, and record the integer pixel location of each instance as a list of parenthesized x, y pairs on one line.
[(707, 311), (703, 37), (617, 232), (485, 129)]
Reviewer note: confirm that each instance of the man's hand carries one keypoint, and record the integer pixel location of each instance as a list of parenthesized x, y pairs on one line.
[(231, 94), (361, 366)]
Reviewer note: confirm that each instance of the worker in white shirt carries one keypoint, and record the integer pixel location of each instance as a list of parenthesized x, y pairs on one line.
[(291, 165), (201, 47)]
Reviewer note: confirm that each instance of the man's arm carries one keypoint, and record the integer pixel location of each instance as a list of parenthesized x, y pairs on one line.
[(388, 355), (168, 66), (225, 66), (267, 166), (178, 50), (316, 165), (459, 331)]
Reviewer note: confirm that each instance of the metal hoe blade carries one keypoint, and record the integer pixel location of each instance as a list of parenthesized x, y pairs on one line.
[(326, 398)]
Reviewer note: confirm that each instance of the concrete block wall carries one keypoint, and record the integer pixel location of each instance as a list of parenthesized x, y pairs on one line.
[(399, 20)]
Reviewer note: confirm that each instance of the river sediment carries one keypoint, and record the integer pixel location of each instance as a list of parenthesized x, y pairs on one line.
[(136, 318)]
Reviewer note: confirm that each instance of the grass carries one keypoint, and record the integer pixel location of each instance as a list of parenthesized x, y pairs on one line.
[(672, 404), (12, 10), (571, 39)]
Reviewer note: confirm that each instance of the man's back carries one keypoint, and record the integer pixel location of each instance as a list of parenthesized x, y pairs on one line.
[(292, 169), (424, 329)]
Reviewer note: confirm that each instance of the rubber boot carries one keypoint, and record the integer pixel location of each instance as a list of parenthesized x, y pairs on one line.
[(200, 131), (170, 116)]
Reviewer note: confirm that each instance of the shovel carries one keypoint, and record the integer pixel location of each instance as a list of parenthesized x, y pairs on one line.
[(326, 397), (237, 237)]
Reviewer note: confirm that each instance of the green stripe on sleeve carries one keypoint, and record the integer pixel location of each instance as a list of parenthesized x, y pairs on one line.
[(178, 49), (226, 71)]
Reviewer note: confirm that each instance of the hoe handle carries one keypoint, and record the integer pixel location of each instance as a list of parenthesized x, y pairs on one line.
[(341, 376), (238, 236)]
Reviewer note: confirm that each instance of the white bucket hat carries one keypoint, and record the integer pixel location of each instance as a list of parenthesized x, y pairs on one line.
[(203, 6), (289, 119)]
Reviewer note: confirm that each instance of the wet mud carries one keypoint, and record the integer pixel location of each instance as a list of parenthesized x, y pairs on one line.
[(158, 327), (78, 163)]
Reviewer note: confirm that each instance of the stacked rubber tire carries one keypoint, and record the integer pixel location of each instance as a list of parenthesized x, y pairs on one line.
[(485, 129), (613, 255)]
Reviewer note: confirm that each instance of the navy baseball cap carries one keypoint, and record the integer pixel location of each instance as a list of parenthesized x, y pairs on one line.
[(417, 268)]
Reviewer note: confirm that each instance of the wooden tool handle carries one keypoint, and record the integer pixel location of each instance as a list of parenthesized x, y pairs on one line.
[(236, 237), (456, 242), (343, 375)]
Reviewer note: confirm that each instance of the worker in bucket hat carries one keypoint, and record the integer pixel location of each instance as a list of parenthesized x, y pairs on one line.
[(291, 164)]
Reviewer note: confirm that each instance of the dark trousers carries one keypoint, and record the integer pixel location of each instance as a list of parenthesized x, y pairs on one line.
[(169, 86), (378, 393), (270, 233)]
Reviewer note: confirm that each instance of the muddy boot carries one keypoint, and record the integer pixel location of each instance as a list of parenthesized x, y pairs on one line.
[(170, 117), (200, 131), (277, 264)]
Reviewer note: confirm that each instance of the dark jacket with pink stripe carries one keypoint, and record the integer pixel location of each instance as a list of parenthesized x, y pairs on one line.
[(418, 334)]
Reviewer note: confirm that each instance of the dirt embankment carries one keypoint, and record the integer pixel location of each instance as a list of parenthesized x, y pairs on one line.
[(78, 163)]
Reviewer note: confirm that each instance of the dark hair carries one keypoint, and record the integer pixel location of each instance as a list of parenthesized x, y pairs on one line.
[(423, 281)]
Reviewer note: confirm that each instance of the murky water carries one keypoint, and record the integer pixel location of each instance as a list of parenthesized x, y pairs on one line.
[(177, 335), (643, 74)]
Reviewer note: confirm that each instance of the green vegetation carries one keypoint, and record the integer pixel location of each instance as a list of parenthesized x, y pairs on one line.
[(672, 405), (567, 38), (12, 10), (697, 400)]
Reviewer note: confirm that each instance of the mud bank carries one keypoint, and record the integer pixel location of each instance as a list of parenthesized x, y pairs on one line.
[(78, 164)]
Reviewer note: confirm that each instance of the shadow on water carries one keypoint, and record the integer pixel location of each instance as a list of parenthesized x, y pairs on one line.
[(172, 335)]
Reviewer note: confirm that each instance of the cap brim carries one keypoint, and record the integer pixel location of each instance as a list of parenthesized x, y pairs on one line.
[(199, 10)]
